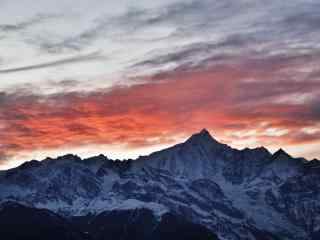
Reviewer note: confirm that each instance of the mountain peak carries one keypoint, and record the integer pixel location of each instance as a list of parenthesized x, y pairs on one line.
[(203, 138), (29, 164), (315, 163), (203, 134), (280, 154)]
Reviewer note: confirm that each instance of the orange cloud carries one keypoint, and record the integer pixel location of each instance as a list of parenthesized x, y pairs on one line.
[(180, 103)]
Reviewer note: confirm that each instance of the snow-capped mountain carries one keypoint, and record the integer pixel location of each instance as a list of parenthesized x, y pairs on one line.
[(235, 194)]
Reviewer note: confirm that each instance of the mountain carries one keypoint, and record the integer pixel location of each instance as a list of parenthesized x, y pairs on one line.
[(20, 222), (201, 189)]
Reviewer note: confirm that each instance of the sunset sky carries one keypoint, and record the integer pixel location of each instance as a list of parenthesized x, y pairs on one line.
[(125, 78)]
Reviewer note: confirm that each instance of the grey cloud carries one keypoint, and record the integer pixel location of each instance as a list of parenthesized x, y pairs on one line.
[(6, 28), (200, 53), (74, 43), (235, 51), (252, 93), (80, 58), (305, 17), (315, 107), (226, 32), (123, 26), (270, 31), (64, 83), (273, 22)]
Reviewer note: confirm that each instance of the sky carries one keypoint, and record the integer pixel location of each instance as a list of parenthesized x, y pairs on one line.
[(125, 78)]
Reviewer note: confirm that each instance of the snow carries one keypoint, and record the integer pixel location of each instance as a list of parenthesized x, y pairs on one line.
[(128, 204)]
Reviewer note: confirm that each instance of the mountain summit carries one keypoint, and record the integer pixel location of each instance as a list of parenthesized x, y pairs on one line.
[(201, 186), (202, 136)]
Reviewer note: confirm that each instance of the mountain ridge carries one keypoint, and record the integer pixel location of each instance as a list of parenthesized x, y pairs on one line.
[(203, 136), (234, 193)]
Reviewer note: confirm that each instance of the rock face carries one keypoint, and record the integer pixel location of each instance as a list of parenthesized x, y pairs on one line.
[(236, 194)]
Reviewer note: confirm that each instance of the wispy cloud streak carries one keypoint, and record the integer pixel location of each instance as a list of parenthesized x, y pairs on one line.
[(94, 56)]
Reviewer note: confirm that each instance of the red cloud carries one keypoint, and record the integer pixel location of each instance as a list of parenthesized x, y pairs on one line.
[(220, 99)]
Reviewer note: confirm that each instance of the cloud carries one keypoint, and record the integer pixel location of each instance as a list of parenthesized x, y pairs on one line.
[(39, 18), (157, 111), (244, 69), (121, 27), (184, 34), (94, 56)]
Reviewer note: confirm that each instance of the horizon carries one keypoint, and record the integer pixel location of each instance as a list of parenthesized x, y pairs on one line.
[(147, 154), (129, 79)]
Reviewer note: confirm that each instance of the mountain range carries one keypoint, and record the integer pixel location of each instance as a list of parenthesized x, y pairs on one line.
[(199, 189)]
